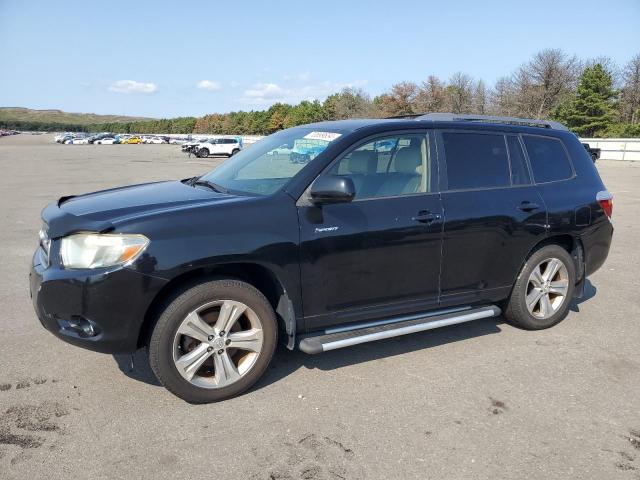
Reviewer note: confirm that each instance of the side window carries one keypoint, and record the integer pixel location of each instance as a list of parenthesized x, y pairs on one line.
[(388, 166), (549, 161), (519, 171), (476, 160)]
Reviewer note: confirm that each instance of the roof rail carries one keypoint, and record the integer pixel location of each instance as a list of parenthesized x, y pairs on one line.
[(405, 115), (464, 117)]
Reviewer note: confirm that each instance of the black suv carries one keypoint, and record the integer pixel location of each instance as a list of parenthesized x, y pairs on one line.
[(394, 226)]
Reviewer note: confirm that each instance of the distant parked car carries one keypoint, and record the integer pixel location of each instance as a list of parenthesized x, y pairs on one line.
[(133, 140), (156, 140), (61, 137), (191, 146), (594, 153), (99, 136), (178, 141), (105, 141), (75, 139), (80, 141), (219, 146)]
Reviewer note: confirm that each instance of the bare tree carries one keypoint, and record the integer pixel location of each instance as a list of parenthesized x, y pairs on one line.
[(460, 93), (432, 96), (480, 101), (503, 97), (545, 82), (630, 98)]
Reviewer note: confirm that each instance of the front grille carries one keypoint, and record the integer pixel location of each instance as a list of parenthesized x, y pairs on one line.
[(45, 246)]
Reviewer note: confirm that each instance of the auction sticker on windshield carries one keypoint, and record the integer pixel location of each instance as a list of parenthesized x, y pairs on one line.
[(327, 136)]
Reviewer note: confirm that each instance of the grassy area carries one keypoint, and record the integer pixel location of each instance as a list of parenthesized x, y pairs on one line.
[(58, 116)]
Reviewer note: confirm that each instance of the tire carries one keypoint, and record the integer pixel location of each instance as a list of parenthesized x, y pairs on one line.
[(235, 150), (543, 314), (203, 153), (212, 378)]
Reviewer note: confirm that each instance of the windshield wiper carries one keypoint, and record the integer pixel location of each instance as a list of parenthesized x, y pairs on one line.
[(210, 185)]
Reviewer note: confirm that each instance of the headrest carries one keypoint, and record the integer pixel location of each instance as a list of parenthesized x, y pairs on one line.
[(408, 159), (362, 162)]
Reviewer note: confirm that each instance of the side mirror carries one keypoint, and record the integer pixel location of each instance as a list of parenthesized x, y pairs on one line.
[(332, 189)]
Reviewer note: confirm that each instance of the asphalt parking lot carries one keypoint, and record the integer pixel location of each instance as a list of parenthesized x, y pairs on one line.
[(480, 400)]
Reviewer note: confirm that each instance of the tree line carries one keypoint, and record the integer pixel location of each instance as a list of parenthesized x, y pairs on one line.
[(593, 98), (171, 125)]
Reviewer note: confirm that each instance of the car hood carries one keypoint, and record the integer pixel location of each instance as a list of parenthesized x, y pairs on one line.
[(103, 210)]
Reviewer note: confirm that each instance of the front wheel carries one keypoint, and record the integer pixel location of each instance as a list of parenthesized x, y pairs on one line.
[(203, 153), (214, 341), (543, 290), (235, 150)]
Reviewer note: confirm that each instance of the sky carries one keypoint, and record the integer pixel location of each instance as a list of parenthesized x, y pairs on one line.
[(188, 58)]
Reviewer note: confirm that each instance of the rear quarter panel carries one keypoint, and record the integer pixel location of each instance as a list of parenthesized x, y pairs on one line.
[(573, 209)]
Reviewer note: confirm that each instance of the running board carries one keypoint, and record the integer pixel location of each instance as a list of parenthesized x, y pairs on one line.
[(334, 338)]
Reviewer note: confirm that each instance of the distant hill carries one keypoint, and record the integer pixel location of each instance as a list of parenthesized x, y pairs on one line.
[(13, 114)]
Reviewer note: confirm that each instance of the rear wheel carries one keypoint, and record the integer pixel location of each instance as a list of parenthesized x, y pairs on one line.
[(213, 341), (235, 150), (543, 291)]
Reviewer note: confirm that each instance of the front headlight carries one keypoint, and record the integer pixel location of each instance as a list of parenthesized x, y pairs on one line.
[(95, 250)]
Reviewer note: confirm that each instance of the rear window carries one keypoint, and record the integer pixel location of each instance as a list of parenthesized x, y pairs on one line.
[(476, 160), (548, 158)]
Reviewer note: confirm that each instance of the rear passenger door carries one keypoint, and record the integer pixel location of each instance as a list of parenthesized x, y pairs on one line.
[(554, 176), (494, 214)]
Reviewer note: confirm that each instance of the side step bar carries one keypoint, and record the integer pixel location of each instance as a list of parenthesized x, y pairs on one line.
[(393, 327)]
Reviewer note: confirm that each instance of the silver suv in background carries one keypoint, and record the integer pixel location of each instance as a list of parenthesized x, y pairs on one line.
[(219, 146)]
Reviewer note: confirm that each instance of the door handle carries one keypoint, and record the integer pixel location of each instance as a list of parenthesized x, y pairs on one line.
[(425, 216), (528, 206)]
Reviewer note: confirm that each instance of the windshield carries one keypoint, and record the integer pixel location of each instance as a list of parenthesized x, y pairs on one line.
[(267, 165)]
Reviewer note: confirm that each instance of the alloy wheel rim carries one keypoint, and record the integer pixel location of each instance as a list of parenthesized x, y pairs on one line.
[(547, 288), (217, 344)]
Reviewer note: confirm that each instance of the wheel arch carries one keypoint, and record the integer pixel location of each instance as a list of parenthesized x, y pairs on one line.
[(572, 244), (257, 275)]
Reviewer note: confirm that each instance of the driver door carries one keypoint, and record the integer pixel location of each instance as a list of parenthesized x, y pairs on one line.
[(378, 255)]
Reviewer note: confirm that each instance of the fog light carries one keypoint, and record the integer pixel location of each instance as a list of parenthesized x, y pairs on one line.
[(79, 325)]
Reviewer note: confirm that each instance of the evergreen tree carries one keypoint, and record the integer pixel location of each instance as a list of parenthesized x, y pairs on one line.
[(591, 111)]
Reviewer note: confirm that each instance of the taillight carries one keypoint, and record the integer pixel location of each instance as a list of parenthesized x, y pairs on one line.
[(605, 199)]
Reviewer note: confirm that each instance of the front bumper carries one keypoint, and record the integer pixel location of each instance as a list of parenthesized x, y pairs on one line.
[(114, 302)]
